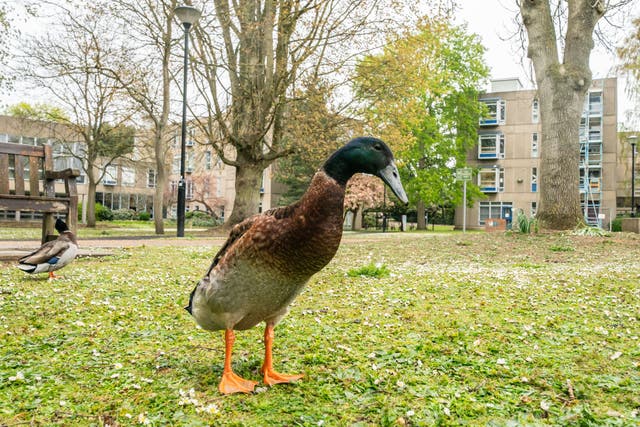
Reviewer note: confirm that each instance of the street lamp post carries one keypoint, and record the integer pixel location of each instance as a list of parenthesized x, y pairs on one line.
[(188, 16), (632, 140)]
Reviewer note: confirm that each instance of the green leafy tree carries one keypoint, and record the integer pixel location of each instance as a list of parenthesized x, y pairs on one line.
[(5, 35), (420, 95), (43, 112)]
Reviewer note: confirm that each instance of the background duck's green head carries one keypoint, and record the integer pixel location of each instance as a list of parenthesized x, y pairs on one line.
[(365, 155)]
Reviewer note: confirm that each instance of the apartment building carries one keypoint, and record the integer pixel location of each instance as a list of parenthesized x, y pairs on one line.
[(129, 183), (507, 155)]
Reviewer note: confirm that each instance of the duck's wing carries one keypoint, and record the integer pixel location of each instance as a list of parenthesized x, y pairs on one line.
[(241, 228), (46, 252), (236, 233)]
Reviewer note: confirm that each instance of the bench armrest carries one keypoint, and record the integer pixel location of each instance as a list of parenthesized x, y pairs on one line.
[(63, 174)]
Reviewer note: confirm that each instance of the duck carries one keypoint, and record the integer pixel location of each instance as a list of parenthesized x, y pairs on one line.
[(268, 258), (53, 255)]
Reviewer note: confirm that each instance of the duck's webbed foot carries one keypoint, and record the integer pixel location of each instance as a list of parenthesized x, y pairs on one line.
[(272, 377), (232, 383)]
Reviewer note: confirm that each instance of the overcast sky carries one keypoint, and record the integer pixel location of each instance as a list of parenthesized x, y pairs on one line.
[(493, 21)]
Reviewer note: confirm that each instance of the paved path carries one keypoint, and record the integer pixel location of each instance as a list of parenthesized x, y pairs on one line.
[(11, 250)]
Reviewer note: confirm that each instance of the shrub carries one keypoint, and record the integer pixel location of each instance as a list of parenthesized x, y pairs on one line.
[(144, 216), (616, 224), (590, 231), (124, 214), (103, 213), (196, 214)]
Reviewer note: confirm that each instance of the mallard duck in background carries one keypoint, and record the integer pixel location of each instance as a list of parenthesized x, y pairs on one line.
[(52, 255), (268, 258)]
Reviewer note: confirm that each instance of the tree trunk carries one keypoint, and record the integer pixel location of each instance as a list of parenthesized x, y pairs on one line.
[(561, 105), (247, 186), (91, 204), (562, 86), (422, 223), (357, 218), (161, 179)]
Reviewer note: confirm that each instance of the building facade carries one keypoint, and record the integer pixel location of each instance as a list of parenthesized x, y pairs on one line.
[(209, 182), (129, 182), (507, 155)]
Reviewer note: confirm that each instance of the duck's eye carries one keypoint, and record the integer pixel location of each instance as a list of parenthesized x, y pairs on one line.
[(377, 147)]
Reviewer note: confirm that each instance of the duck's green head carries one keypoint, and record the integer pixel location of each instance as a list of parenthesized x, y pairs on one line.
[(365, 155)]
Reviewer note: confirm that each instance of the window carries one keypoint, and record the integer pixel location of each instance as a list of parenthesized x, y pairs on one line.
[(4, 137), (219, 186), (191, 132), (491, 180), (190, 162), (534, 180), (534, 145), (128, 177), (491, 145), (207, 160), (189, 189), (151, 178), (494, 210), (594, 106), (68, 156), (534, 208), (173, 185), (495, 114), (110, 175), (176, 164), (595, 129), (535, 111)]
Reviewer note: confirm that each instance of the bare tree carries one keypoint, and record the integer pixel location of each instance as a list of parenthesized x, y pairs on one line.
[(560, 38), (68, 62), (150, 24), (249, 58)]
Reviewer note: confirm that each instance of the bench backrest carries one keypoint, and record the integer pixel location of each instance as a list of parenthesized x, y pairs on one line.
[(28, 164)]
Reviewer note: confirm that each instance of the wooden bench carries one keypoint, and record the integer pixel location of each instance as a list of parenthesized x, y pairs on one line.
[(36, 191)]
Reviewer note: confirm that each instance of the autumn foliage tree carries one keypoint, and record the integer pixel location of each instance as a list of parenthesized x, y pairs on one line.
[(363, 192), (629, 53), (313, 130)]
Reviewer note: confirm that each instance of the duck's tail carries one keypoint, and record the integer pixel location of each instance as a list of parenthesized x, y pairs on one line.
[(28, 268), (190, 306)]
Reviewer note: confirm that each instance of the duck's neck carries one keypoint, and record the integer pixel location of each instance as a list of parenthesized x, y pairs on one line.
[(337, 167), (324, 198)]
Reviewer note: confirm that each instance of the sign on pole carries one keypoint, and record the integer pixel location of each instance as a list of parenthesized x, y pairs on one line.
[(464, 175)]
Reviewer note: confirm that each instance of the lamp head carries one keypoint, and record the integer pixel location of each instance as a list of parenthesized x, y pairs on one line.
[(188, 15)]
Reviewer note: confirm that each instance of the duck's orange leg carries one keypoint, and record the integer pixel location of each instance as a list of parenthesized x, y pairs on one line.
[(232, 383), (53, 276), (272, 377)]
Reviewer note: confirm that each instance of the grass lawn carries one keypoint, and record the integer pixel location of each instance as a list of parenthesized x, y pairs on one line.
[(475, 329)]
